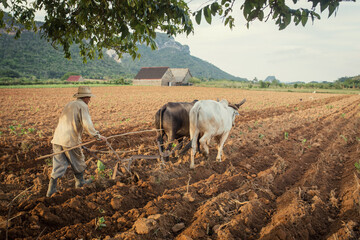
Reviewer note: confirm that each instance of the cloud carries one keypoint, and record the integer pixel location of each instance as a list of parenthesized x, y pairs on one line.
[(321, 51)]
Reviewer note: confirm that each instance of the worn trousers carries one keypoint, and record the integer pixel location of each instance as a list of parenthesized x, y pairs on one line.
[(61, 161)]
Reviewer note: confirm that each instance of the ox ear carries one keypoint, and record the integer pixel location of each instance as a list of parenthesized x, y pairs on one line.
[(224, 102), (241, 103)]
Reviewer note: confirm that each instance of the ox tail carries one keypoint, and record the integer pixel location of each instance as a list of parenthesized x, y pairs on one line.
[(159, 124)]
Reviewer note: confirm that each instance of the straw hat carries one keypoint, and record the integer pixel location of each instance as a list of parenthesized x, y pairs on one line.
[(83, 91)]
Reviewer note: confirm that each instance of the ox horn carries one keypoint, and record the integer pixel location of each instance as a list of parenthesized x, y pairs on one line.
[(241, 103)]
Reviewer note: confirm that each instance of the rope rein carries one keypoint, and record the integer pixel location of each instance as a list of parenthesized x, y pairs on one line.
[(92, 141), (108, 144)]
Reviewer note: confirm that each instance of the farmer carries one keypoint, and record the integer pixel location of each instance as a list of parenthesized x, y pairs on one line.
[(73, 120)]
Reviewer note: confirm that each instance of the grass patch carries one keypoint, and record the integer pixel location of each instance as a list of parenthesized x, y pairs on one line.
[(58, 85)]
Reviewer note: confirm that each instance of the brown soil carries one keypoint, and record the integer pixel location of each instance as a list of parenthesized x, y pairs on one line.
[(288, 169)]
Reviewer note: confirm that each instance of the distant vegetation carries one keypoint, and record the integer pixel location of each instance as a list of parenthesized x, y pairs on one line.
[(351, 83), (30, 57), (31, 60)]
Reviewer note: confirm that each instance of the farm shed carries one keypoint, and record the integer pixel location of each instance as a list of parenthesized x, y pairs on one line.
[(162, 76), (182, 76), (75, 78), (154, 76)]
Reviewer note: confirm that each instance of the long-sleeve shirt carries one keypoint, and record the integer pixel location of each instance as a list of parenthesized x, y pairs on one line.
[(73, 120)]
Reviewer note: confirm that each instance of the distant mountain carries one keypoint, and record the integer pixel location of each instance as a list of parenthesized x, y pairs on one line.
[(172, 54), (269, 78), (30, 55)]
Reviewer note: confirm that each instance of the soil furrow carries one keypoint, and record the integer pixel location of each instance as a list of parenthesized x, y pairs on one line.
[(288, 169)]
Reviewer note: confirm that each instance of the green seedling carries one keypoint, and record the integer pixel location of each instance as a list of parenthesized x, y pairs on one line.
[(110, 173), (304, 141), (100, 168), (48, 161), (357, 166), (39, 133), (345, 139), (261, 136), (286, 135), (101, 210), (23, 131), (329, 106), (12, 130), (100, 223), (343, 115), (31, 130)]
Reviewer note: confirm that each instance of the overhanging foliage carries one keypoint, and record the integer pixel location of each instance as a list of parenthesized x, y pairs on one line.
[(120, 25)]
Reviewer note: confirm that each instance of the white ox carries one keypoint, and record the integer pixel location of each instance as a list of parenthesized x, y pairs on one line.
[(209, 119)]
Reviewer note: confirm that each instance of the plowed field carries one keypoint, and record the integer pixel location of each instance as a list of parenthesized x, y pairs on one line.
[(287, 173)]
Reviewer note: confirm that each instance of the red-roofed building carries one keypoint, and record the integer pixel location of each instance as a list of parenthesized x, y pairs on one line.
[(75, 78)]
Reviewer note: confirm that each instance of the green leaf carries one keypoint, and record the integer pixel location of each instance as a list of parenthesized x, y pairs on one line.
[(227, 21), (252, 15), (323, 5), (247, 9), (304, 18), (207, 14), (214, 8), (261, 15), (332, 8), (100, 166), (198, 17)]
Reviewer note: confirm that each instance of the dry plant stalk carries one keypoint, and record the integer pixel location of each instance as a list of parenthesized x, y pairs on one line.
[(188, 183), (9, 212)]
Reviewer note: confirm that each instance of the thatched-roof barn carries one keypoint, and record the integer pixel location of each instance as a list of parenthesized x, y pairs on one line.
[(182, 76), (162, 76), (154, 76)]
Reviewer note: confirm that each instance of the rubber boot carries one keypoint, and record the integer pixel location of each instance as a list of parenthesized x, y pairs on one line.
[(80, 181), (52, 187)]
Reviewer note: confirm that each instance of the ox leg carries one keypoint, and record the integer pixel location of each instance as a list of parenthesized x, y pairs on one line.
[(204, 140), (221, 145), (194, 142)]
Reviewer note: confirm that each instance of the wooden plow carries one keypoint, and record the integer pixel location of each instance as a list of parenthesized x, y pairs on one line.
[(125, 162)]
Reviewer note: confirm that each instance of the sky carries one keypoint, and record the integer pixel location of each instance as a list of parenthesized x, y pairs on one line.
[(325, 50), (321, 51)]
